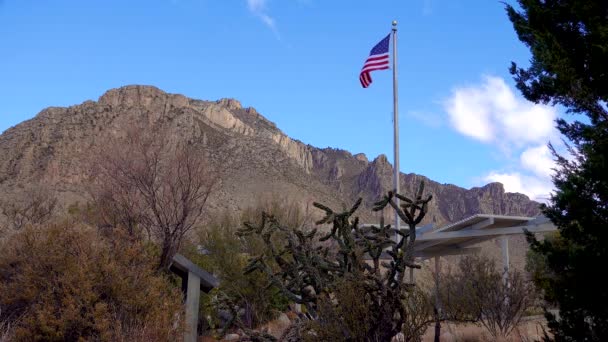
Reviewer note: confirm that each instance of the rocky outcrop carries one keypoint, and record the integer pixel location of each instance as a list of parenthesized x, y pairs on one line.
[(361, 157), (294, 149), (230, 104), (223, 118), (377, 177)]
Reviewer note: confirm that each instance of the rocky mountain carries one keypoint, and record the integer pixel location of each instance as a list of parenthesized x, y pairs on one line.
[(260, 160)]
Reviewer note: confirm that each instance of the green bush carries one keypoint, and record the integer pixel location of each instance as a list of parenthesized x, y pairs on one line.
[(351, 320), (227, 255)]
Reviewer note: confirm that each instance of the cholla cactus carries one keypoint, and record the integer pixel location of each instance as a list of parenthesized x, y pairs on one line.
[(307, 270)]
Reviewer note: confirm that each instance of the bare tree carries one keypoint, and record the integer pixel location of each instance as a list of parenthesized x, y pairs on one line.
[(34, 205), (147, 183), (117, 199), (420, 315), (478, 292)]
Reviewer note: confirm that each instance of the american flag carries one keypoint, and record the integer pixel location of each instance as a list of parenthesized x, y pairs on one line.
[(377, 60)]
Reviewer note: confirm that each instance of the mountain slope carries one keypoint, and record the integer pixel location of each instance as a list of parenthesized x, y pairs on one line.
[(261, 161)]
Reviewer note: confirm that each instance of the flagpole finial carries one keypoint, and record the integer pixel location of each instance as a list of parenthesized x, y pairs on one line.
[(394, 23)]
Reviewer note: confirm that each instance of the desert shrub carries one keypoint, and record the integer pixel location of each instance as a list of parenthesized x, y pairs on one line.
[(226, 255), (345, 287), (351, 319), (34, 205), (64, 282), (478, 292), (348, 321), (253, 293), (288, 211), (419, 314)]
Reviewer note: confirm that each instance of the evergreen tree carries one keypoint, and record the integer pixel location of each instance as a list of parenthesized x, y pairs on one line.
[(568, 40)]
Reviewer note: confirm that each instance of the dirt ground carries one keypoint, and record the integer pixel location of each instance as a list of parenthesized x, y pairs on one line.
[(529, 330)]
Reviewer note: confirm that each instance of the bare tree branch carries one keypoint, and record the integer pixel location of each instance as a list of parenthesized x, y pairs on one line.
[(145, 183)]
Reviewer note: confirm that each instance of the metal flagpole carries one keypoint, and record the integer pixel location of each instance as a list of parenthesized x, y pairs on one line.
[(395, 124)]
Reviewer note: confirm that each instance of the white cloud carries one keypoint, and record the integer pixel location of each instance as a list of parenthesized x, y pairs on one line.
[(532, 176), (538, 160), (259, 9), (537, 188), (469, 115), (491, 113)]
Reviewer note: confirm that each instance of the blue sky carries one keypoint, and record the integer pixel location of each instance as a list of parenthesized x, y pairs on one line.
[(297, 63)]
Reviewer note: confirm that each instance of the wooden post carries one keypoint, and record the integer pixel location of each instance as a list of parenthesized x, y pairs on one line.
[(193, 292), (194, 279)]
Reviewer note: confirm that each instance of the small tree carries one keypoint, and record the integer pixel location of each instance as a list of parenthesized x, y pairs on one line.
[(144, 181), (478, 292), (315, 275), (420, 315)]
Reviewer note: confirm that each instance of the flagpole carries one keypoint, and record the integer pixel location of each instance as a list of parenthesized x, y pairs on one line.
[(395, 124)]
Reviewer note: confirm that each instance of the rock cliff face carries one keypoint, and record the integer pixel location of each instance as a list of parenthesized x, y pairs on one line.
[(51, 149)]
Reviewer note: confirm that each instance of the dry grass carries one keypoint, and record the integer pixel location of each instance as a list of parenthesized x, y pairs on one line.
[(145, 333), (530, 330), (6, 331)]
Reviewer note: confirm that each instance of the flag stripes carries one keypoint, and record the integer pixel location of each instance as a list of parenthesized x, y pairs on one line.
[(378, 60)]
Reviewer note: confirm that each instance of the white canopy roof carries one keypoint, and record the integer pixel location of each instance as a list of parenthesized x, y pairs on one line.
[(458, 237)]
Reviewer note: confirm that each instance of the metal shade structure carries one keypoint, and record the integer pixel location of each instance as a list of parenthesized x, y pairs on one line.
[(458, 237)]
